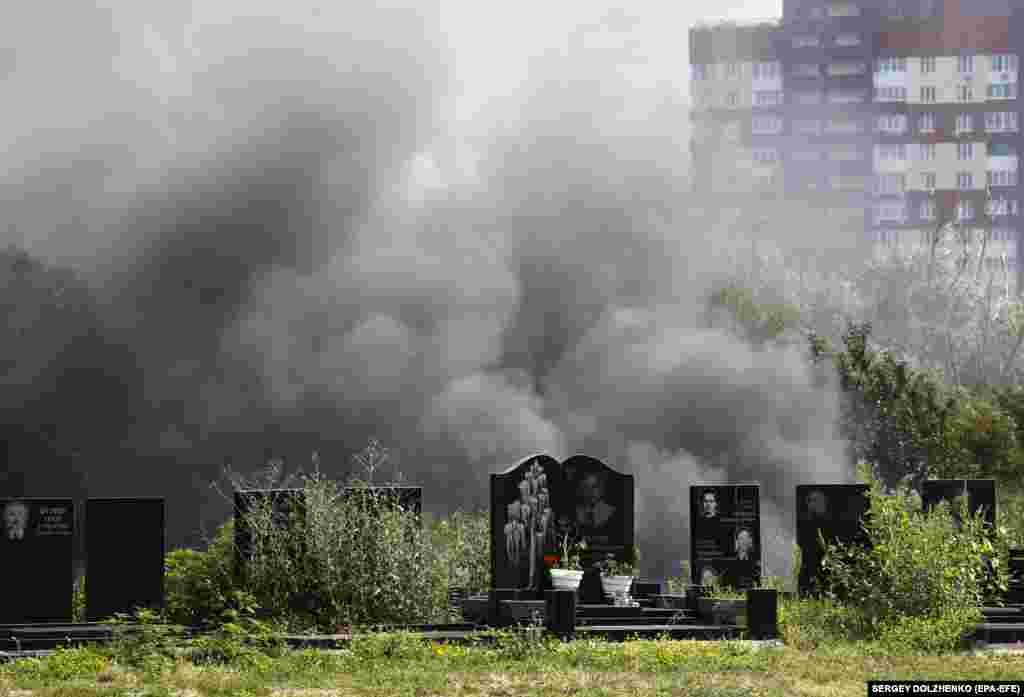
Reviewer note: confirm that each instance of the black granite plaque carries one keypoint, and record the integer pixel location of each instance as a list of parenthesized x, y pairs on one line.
[(124, 555), (36, 559), (538, 503), (725, 535), (836, 512), (981, 495)]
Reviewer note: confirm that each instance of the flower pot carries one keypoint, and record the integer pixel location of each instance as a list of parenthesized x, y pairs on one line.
[(566, 579), (616, 585), (723, 611)]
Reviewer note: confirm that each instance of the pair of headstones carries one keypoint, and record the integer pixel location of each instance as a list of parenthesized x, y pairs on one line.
[(540, 504), (124, 557), (836, 511)]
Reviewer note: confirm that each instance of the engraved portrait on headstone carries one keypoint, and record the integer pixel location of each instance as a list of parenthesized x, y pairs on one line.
[(540, 503), (725, 534), (15, 520), (833, 511), (36, 558)]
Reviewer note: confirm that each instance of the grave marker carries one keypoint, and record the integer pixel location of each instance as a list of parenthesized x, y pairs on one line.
[(981, 495), (124, 555), (725, 535), (539, 502), (835, 511), (36, 558)]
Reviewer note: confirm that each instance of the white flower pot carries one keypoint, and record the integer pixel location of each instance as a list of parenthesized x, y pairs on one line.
[(566, 579), (616, 585)]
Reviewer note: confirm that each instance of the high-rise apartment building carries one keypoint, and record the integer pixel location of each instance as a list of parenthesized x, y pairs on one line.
[(891, 117)]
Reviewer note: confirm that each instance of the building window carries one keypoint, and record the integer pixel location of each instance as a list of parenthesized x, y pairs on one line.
[(699, 71), (999, 207), (926, 151), (891, 65), (891, 94), (847, 39), (846, 96), (806, 70), (891, 212), (999, 121), (807, 98), (1004, 91), (1002, 177), (965, 151), (806, 41), (1001, 150), (892, 123), (765, 156), (926, 122), (891, 151), (964, 180), (766, 70), (732, 99), (928, 95), (843, 9), (890, 184), (926, 211), (964, 123), (928, 64), (766, 125), (846, 155), (964, 93), (844, 126), (768, 98), (805, 156), (732, 69), (807, 127), (965, 64), (889, 237), (965, 210), (928, 181), (1004, 63), (845, 69)]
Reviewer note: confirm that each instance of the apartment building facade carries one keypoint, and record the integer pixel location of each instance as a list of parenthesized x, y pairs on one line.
[(890, 117)]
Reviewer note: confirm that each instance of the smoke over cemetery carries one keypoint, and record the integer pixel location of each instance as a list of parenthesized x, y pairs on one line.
[(263, 230)]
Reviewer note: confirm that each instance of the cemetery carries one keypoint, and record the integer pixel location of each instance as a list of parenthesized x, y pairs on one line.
[(562, 548)]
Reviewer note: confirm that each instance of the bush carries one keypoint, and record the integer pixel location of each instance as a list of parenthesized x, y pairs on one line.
[(463, 539), (351, 560), (200, 585), (920, 580)]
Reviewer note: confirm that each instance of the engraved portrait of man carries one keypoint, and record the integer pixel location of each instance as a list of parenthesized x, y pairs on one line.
[(16, 515)]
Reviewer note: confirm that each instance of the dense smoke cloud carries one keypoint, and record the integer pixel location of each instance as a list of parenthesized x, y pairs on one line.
[(264, 283)]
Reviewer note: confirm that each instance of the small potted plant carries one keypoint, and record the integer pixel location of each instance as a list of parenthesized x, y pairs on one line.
[(567, 571), (616, 576)]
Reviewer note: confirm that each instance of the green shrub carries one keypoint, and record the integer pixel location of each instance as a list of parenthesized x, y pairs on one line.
[(463, 539), (922, 572), (200, 585)]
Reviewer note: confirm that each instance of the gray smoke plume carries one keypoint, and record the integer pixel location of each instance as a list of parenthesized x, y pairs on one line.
[(265, 284)]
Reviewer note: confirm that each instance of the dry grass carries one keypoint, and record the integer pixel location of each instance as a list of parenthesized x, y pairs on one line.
[(704, 669)]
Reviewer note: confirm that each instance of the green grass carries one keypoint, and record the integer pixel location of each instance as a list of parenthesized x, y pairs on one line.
[(397, 664)]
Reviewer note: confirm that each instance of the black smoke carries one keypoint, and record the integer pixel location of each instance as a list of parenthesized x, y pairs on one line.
[(252, 278)]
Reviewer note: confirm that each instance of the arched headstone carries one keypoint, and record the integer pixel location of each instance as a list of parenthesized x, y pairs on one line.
[(540, 501)]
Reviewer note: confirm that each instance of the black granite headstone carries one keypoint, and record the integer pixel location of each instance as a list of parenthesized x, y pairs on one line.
[(725, 535), (836, 511), (981, 495), (538, 503), (36, 559), (124, 555)]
